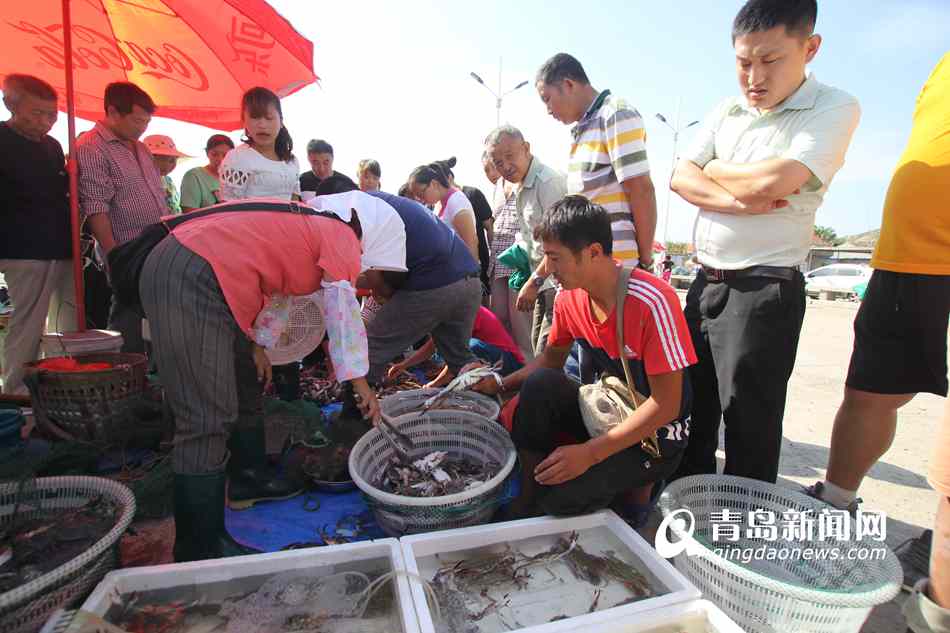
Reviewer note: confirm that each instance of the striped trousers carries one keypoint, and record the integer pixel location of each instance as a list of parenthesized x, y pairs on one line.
[(204, 359)]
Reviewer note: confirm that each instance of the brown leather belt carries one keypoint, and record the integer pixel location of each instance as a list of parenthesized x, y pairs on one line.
[(786, 273)]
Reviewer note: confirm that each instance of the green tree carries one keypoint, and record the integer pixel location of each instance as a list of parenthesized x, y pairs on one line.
[(828, 234)]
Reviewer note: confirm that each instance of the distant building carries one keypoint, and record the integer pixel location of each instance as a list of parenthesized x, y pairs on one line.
[(819, 256)]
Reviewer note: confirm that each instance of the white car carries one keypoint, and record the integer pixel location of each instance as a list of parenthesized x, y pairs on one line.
[(840, 277)]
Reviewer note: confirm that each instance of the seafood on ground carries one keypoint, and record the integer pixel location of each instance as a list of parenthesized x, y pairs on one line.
[(329, 463), (402, 382), (318, 386), (435, 475)]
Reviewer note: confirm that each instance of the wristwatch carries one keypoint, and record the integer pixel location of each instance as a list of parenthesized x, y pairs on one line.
[(537, 281)]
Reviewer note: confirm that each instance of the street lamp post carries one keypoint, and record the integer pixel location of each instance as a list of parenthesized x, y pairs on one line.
[(675, 127), (498, 95)]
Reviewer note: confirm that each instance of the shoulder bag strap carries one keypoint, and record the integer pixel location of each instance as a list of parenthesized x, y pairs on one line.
[(650, 444), (245, 206), (622, 280)]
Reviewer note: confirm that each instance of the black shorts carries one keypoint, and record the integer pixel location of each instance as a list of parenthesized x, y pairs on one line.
[(900, 335)]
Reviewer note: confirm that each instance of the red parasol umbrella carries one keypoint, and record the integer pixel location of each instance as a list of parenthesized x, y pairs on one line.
[(195, 58)]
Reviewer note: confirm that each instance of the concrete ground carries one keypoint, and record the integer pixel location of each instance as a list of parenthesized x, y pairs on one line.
[(897, 485)]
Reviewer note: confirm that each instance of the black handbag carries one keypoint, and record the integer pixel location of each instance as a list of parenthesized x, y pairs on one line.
[(127, 260)]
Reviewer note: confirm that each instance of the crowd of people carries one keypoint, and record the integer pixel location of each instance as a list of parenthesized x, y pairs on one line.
[(530, 279)]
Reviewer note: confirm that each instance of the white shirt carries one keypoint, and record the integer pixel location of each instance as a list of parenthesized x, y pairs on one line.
[(813, 126), (245, 173), (457, 205)]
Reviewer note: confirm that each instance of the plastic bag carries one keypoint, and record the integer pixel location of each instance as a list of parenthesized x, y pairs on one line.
[(349, 349), (272, 321)]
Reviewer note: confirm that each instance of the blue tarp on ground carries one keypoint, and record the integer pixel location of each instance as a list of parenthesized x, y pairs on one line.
[(272, 526)]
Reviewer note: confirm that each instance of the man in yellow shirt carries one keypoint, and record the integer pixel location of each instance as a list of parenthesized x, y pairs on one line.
[(900, 343)]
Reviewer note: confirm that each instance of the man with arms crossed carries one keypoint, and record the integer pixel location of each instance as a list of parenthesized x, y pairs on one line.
[(758, 171)]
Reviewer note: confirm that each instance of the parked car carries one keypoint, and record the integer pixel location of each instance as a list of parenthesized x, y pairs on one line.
[(838, 277)]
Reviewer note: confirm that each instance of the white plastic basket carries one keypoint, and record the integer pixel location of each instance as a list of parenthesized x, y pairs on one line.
[(404, 402), (26, 608), (830, 589), (672, 587), (458, 433), (217, 577)]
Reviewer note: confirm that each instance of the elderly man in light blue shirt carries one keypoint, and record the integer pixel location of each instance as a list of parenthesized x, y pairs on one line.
[(538, 188)]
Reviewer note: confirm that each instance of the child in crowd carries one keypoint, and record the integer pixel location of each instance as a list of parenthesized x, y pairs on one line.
[(166, 156), (264, 166)]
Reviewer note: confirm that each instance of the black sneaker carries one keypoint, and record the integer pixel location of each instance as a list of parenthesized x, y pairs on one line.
[(914, 555)]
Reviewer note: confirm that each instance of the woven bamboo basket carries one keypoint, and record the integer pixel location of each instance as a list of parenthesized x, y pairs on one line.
[(90, 406)]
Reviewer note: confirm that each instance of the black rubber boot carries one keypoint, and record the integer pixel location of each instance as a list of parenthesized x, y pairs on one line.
[(350, 410), (251, 478), (287, 381), (199, 519)]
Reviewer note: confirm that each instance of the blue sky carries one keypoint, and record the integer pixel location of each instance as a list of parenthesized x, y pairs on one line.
[(395, 82)]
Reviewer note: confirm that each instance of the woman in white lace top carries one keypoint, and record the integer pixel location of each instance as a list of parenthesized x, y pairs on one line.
[(264, 166)]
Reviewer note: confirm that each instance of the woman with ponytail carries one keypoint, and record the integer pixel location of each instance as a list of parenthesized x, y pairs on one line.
[(431, 185), (264, 166)]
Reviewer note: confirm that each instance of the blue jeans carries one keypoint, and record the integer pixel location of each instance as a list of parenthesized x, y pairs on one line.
[(491, 354)]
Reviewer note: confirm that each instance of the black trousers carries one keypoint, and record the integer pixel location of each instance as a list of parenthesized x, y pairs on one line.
[(745, 332), (548, 405)]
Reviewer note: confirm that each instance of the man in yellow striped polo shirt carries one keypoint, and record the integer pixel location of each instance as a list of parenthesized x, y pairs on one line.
[(608, 157)]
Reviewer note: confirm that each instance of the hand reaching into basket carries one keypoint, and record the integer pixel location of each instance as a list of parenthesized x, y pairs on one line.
[(366, 400), (489, 383)]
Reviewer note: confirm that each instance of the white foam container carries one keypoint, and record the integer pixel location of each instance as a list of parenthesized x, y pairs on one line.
[(143, 579), (699, 616), (678, 589)]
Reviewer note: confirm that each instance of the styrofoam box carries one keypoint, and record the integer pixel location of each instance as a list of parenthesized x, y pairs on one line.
[(673, 588), (227, 570), (700, 616)]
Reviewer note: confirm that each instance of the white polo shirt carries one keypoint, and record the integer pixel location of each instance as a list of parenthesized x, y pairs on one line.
[(813, 126)]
